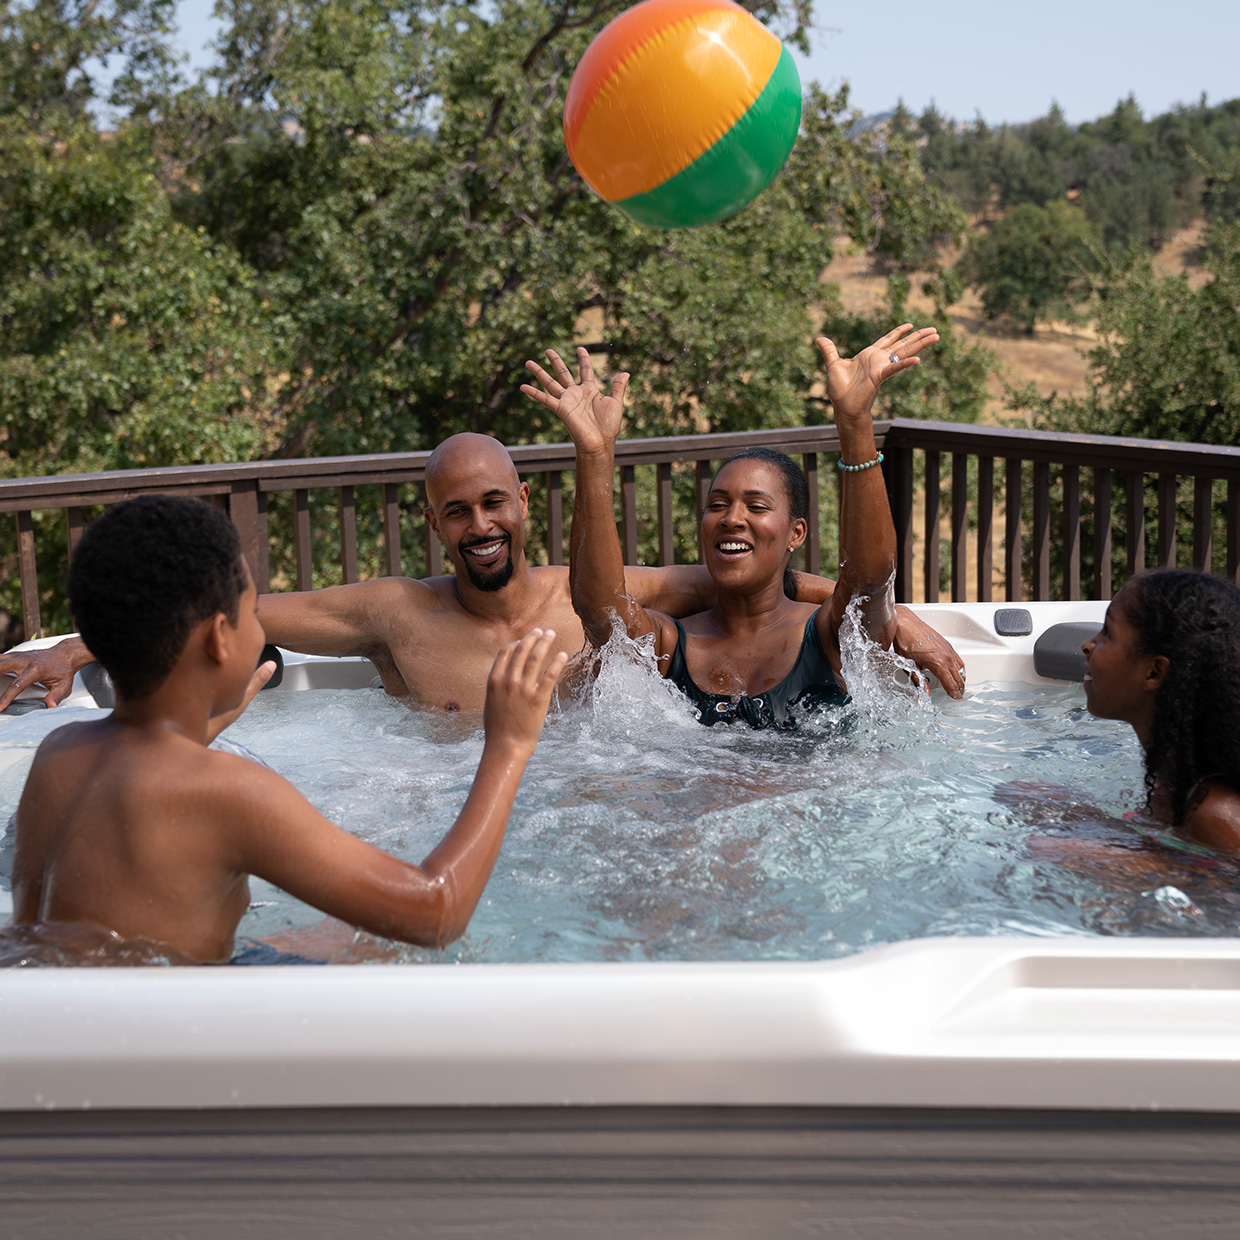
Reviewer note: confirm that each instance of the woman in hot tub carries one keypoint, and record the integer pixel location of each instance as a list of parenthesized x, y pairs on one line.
[(757, 653)]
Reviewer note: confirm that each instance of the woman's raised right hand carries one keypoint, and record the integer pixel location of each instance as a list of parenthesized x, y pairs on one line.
[(590, 416)]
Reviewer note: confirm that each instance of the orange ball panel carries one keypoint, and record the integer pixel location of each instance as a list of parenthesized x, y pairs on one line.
[(616, 42), (693, 82)]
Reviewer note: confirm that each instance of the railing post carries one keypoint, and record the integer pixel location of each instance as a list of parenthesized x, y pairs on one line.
[(898, 466), (703, 474), (667, 525), (29, 572), (1166, 520), (933, 467), (301, 540), (555, 517), (73, 528), (391, 529), (1012, 533), (243, 510), (628, 510), (813, 535), (985, 528), (348, 535), (1102, 533), (1135, 520), (960, 527), (1233, 530), (1203, 524), (1041, 532), (1072, 531)]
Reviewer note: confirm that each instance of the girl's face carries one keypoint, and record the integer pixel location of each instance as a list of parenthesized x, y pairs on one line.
[(747, 525), (1120, 682)]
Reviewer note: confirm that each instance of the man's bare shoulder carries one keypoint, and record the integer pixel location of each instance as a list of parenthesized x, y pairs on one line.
[(402, 592)]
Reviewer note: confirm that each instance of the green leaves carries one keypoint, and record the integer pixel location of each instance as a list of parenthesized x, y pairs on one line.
[(352, 232), (126, 338), (1034, 263)]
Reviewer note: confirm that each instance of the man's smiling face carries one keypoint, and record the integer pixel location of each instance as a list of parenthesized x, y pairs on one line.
[(478, 506)]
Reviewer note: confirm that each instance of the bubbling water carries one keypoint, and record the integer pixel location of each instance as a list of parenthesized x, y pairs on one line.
[(638, 834)]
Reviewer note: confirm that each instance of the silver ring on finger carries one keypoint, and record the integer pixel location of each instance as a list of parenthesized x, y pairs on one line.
[(895, 359)]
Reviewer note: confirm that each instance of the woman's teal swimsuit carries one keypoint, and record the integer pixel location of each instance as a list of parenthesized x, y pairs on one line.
[(811, 681)]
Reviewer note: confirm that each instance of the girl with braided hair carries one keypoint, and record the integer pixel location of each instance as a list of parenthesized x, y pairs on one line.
[(1167, 661)]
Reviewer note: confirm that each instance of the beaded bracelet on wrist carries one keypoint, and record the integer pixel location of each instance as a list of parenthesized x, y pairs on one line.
[(853, 469)]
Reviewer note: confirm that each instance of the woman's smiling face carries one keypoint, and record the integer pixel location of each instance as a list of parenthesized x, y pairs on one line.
[(747, 525)]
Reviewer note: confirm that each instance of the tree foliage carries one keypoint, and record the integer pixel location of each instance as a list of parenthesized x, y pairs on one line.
[(350, 234), (1167, 362), (1136, 180), (1032, 264)]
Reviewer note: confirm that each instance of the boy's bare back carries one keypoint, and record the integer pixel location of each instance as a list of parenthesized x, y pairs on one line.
[(134, 832)]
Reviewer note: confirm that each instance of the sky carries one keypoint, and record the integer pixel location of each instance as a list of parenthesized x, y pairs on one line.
[(1007, 61)]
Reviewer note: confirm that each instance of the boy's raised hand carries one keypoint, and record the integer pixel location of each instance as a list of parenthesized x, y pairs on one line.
[(262, 674), (519, 690), (853, 383), (589, 415)]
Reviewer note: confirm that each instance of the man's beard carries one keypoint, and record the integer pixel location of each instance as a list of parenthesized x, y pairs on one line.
[(489, 583)]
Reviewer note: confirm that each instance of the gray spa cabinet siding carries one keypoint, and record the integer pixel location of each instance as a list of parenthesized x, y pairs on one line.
[(617, 1174)]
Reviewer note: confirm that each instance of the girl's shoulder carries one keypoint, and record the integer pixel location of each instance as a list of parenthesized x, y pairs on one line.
[(1213, 816)]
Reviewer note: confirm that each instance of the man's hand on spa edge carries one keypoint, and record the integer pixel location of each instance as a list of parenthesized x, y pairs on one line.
[(52, 667), (853, 383), (591, 417), (930, 650)]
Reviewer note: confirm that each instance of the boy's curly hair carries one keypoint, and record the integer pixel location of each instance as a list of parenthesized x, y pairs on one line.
[(143, 575), (1193, 619)]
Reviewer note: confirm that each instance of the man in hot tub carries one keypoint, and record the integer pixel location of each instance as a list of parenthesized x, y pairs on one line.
[(434, 640)]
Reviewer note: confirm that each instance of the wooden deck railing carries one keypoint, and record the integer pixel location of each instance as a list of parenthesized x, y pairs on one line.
[(1042, 474)]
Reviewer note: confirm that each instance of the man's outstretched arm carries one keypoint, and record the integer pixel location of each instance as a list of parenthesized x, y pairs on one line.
[(339, 620)]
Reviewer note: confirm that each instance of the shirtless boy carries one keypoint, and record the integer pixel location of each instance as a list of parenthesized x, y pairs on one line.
[(131, 824), (434, 640)]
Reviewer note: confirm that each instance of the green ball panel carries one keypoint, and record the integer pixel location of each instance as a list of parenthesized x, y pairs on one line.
[(737, 168)]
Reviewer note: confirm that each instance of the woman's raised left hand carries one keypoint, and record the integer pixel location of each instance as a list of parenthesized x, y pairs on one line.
[(853, 383)]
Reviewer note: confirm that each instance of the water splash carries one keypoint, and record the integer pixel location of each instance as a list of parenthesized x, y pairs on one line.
[(885, 687), (624, 689)]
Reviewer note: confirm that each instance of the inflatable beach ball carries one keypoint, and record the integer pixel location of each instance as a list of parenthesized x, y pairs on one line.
[(682, 111)]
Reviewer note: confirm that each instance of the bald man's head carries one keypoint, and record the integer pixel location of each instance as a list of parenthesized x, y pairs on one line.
[(477, 505), (470, 454)]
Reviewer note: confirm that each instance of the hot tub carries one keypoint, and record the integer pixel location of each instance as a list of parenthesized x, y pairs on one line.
[(945, 1086)]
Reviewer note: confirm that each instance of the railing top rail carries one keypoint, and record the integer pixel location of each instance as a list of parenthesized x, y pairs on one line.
[(390, 466), (1146, 455)]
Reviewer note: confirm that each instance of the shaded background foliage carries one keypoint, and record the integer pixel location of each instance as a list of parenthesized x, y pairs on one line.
[(349, 234)]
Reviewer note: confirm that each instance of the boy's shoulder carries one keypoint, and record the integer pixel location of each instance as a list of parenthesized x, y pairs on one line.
[(166, 760)]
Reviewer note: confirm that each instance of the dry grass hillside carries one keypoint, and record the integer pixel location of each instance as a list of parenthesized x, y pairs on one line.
[(1052, 358)]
